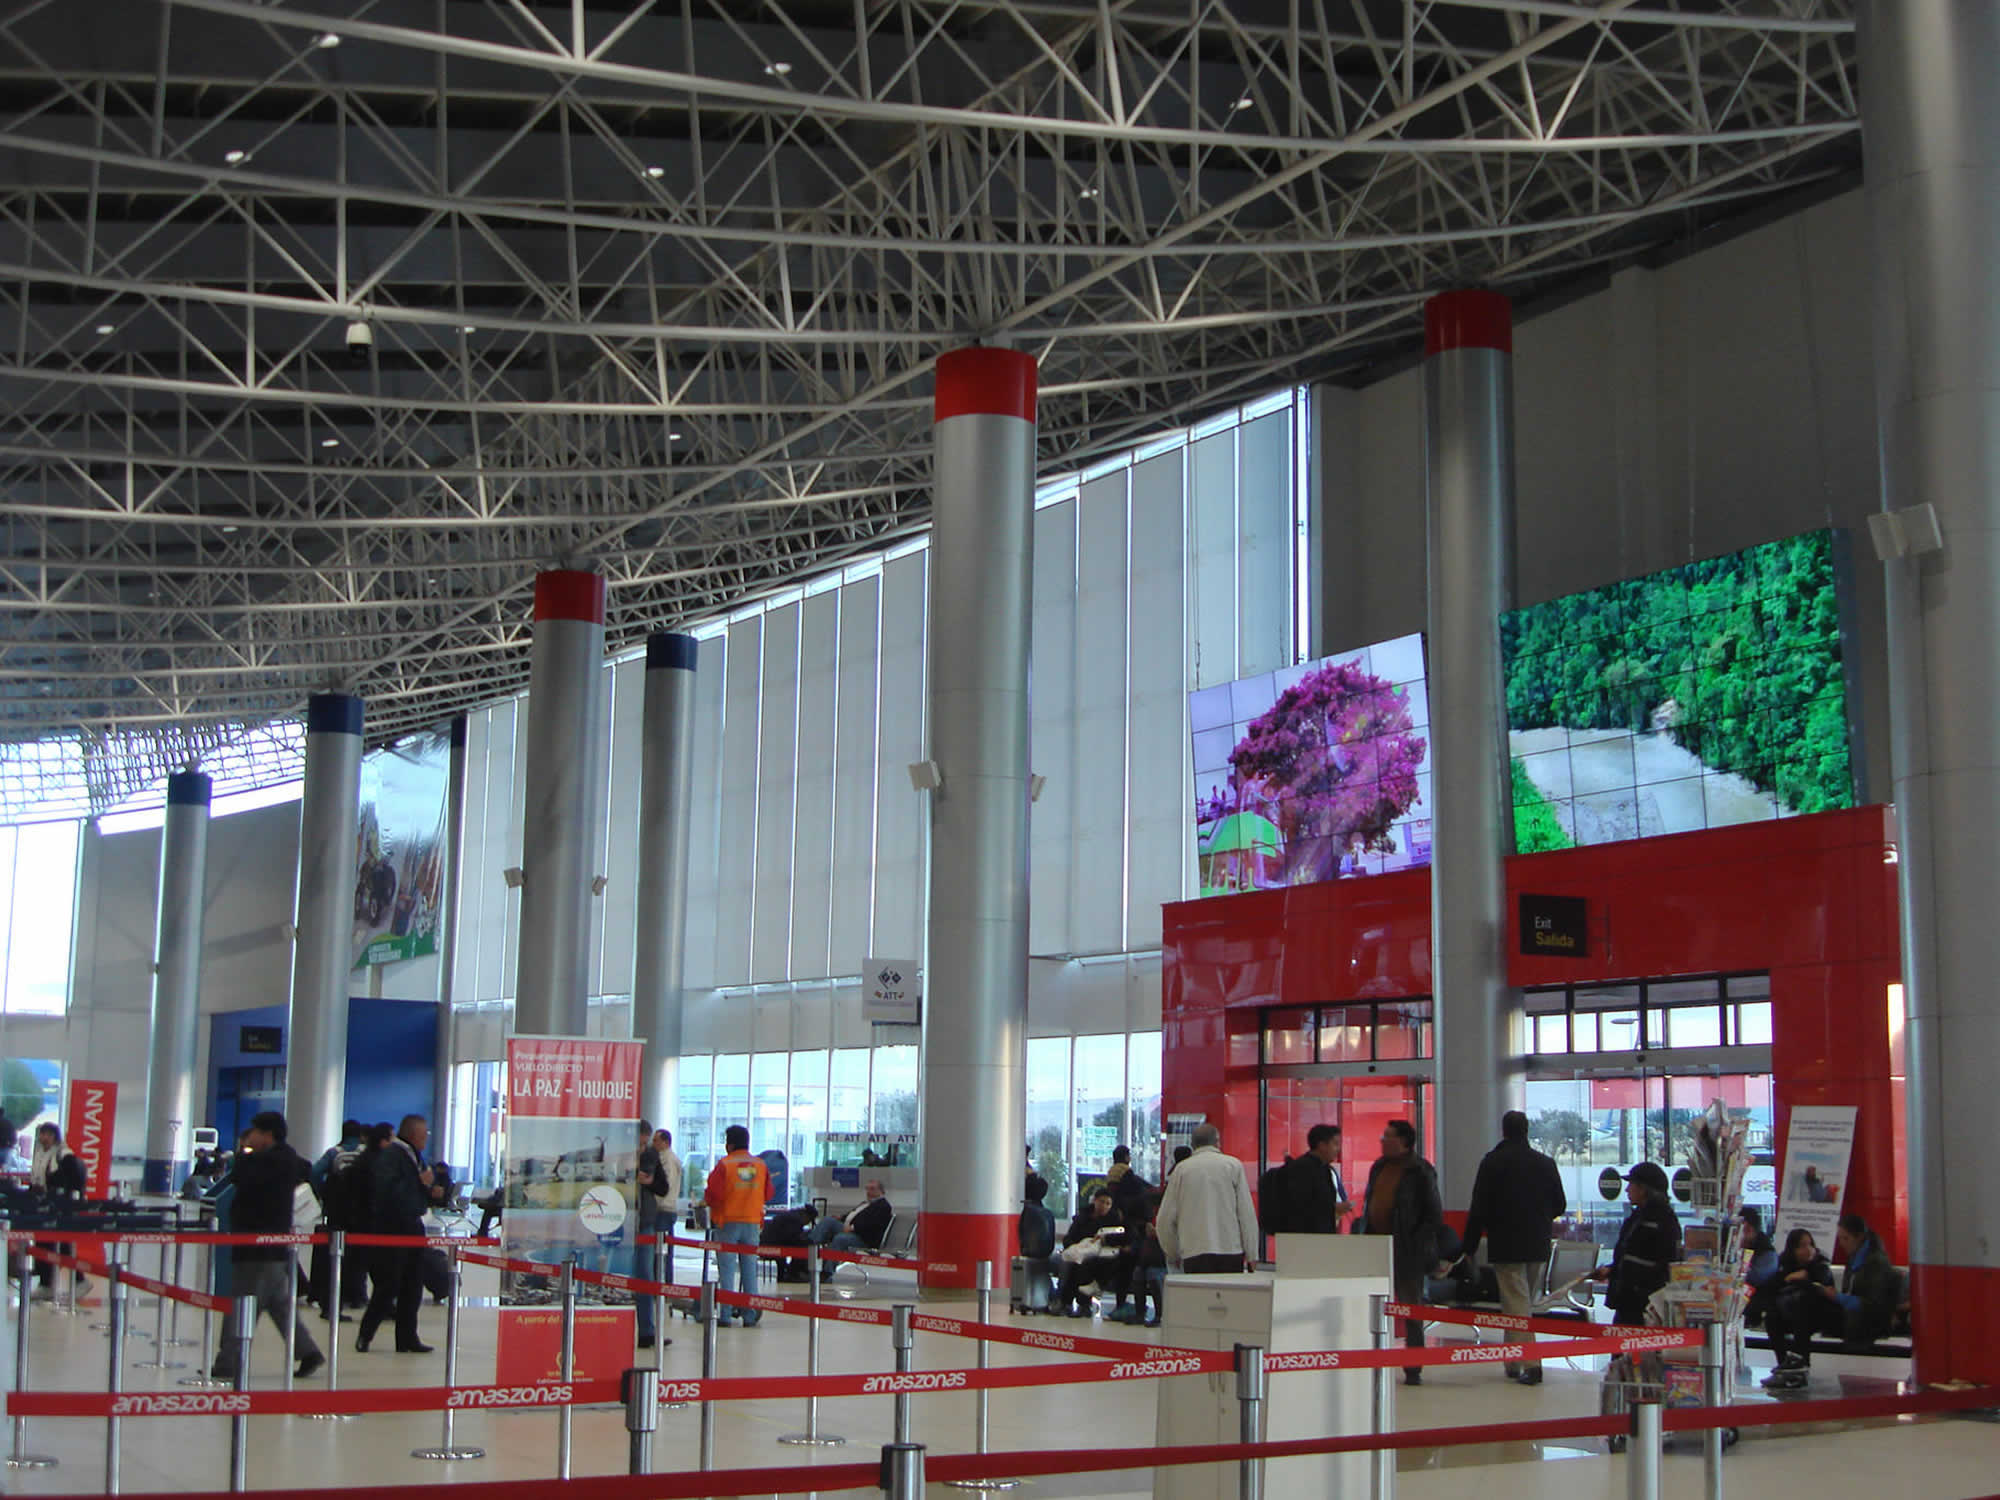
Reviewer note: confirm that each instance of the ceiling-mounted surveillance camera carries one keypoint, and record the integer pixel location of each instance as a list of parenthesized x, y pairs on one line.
[(360, 337)]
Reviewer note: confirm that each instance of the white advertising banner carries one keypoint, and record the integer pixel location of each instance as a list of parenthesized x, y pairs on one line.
[(1819, 1139), (891, 994)]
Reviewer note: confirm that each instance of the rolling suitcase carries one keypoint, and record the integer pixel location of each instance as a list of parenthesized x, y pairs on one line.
[(1029, 1285)]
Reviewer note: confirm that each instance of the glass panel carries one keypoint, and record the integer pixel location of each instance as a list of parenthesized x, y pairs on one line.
[(1142, 1088), (807, 1120), (1098, 1114), (39, 910), (1540, 1002), (769, 1114), (1344, 1033), (732, 1106), (893, 1096), (1682, 991), (694, 1136), (1753, 1025), (1288, 1036), (1048, 1114), (1656, 1027), (1403, 1030), (1607, 997), (847, 1102), (1583, 1029), (1551, 1034), (1618, 1031), (1694, 1026)]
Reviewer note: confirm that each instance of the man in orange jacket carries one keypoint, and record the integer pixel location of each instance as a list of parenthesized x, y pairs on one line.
[(738, 1188)]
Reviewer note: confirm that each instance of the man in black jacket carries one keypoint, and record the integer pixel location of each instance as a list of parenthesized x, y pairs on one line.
[(861, 1229), (1315, 1198), (1517, 1195), (1648, 1244), (398, 1193), (1401, 1201), (267, 1177)]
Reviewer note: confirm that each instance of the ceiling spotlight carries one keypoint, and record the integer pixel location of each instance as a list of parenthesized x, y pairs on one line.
[(227, 529), (106, 329), (777, 69), (656, 172), (329, 442), (326, 39), (236, 156), (1243, 101), (467, 328), (673, 437), (1086, 193)]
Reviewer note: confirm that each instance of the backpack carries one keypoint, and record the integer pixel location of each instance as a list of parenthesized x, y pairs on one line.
[(346, 1197), (1274, 1201)]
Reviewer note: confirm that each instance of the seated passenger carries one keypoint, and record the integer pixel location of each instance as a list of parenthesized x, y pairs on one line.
[(862, 1229), (1799, 1268), (1145, 1275), (1860, 1311), (1094, 1253)]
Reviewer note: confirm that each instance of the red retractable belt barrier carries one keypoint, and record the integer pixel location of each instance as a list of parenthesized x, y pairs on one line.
[(1478, 1318), (207, 1301), (310, 1403), (209, 1237), (786, 1252)]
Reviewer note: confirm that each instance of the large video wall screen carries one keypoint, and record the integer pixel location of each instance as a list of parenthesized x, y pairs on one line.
[(1706, 695), (1314, 772)]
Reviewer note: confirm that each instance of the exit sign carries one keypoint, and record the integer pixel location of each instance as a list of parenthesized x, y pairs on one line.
[(1555, 926)]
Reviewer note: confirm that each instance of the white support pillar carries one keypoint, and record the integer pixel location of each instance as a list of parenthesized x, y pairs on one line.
[(976, 979), (322, 952), (448, 903), (1469, 474), (666, 792), (564, 804), (170, 1100), (1932, 136)]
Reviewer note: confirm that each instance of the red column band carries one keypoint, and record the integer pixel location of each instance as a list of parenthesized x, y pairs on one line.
[(951, 1246), (569, 594), (990, 382), (1468, 319)]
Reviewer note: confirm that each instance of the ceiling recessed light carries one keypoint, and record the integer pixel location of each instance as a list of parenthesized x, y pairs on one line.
[(1243, 101), (227, 529), (236, 156), (329, 442), (656, 172), (106, 329), (467, 328), (326, 39), (777, 69), (673, 437), (1086, 193)]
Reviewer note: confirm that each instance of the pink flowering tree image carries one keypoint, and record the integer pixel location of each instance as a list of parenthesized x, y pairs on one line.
[(1330, 766)]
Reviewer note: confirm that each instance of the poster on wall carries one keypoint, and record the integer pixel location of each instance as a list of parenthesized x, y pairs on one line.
[(1819, 1139), (92, 1112), (568, 1185), (1313, 772), (399, 849)]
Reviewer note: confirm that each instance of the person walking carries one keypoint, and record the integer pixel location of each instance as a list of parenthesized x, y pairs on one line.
[(1207, 1222), (267, 1176), (1401, 1201), (333, 1182), (1517, 1195), (398, 1194), (738, 1188)]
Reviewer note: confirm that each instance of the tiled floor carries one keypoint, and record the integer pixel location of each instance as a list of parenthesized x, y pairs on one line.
[(1942, 1458)]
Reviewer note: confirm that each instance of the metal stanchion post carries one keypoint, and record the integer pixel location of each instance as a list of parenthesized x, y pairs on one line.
[(708, 1336), (239, 1424), (567, 1369), (903, 1471), (446, 1451), (174, 1339), (201, 1379), (1382, 1462), (662, 1259), (812, 1437), (292, 1323), (980, 1432), (903, 1339), (1714, 1380), (21, 1458), (161, 1342), (114, 1291), (642, 1417), (1642, 1455), (336, 1247), (1250, 1418)]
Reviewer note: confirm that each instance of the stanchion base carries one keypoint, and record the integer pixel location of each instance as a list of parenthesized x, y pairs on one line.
[(675, 1405), (812, 1440), (181, 1344), (982, 1484), (159, 1364), (328, 1416), (31, 1461), (206, 1383), (448, 1455)]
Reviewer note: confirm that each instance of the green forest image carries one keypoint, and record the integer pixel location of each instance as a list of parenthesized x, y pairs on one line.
[(1708, 694)]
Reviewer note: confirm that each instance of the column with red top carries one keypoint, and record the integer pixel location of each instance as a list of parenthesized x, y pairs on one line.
[(563, 804), (1932, 122), (1469, 481), (976, 979)]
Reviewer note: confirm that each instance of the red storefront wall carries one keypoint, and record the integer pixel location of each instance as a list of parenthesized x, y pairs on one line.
[(1811, 900)]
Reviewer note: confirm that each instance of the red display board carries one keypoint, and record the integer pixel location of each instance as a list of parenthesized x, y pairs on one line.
[(530, 1348), (90, 1118)]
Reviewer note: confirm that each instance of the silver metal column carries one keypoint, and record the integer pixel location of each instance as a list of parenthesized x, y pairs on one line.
[(1932, 122), (322, 957), (454, 870), (1469, 479), (565, 803), (176, 981), (976, 977), (666, 793)]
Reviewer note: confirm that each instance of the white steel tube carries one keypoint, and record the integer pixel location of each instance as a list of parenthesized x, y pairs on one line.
[(666, 814), (20, 1457), (177, 942), (1642, 1459)]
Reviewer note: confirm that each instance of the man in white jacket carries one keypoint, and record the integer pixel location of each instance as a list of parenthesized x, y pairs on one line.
[(1207, 1222)]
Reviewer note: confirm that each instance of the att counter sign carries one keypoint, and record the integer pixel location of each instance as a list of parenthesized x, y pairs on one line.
[(891, 994)]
